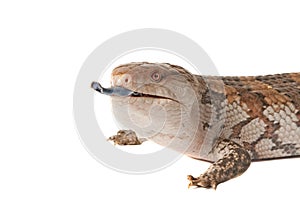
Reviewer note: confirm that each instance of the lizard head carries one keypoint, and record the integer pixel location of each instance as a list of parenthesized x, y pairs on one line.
[(155, 81), (154, 99)]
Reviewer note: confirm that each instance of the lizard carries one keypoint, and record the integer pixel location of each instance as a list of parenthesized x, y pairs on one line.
[(229, 121)]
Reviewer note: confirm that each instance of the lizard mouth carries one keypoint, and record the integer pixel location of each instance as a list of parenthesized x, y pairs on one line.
[(124, 92)]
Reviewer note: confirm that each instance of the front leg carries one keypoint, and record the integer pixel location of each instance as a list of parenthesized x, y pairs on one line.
[(126, 137), (234, 162)]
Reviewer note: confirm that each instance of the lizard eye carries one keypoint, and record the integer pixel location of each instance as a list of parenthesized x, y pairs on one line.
[(156, 76)]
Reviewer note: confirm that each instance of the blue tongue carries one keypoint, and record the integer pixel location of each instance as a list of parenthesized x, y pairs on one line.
[(113, 91)]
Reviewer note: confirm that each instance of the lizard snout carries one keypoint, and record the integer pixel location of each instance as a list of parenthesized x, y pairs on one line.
[(123, 80)]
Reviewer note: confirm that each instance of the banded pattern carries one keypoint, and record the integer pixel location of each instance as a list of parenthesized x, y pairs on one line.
[(269, 106)]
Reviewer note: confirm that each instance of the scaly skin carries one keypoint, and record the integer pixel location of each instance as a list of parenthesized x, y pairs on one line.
[(229, 121)]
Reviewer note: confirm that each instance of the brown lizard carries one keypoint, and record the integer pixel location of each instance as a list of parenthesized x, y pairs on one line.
[(229, 121)]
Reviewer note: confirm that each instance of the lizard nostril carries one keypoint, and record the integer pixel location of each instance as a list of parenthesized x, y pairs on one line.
[(126, 79)]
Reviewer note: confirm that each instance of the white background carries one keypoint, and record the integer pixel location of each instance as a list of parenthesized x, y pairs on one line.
[(42, 48)]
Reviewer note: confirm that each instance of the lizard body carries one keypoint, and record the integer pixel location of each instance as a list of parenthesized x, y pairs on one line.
[(229, 121)]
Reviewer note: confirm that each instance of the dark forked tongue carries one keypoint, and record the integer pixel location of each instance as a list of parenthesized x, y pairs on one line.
[(113, 91)]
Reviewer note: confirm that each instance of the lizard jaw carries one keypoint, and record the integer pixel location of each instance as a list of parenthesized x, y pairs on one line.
[(124, 92)]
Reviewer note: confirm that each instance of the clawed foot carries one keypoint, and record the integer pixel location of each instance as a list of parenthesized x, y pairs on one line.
[(202, 181), (235, 162), (125, 137)]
